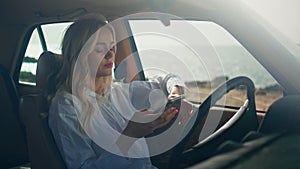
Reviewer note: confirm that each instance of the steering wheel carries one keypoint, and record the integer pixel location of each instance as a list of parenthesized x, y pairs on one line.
[(242, 122)]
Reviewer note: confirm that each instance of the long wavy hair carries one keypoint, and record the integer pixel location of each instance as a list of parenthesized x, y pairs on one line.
[(78, 42)]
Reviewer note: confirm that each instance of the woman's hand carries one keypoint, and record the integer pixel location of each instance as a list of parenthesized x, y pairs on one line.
[(186, 108), (139, 127), (175, 92), (142, 124)]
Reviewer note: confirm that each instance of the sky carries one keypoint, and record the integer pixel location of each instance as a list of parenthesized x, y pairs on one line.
[(284, 15)]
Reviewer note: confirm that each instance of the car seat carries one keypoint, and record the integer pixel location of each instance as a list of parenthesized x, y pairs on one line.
[(13, 140), (43, 151), (283, 116)]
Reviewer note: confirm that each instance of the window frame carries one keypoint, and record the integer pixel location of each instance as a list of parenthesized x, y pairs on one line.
[(25, 45)]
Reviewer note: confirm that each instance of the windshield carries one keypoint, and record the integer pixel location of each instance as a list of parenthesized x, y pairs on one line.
[(282, 14)]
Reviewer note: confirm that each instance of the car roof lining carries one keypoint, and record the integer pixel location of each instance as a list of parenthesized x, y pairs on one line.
[(28, 11)]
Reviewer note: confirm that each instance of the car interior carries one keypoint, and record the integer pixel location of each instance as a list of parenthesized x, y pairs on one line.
[(258, 123)]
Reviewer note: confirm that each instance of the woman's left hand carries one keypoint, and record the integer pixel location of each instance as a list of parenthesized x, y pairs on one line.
[(146, 121)]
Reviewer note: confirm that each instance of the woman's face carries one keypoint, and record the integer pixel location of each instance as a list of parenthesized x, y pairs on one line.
[(103, 52)]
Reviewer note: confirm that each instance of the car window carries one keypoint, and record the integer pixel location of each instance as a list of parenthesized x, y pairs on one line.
[(45, 37), (202, 63)]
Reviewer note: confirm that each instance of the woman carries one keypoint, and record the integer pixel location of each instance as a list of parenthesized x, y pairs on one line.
[(92, 119)]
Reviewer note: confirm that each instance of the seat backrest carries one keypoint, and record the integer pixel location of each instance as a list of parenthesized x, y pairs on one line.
[(42, 148), (13, 140), (282, 116), (43, 152), (48, 67)]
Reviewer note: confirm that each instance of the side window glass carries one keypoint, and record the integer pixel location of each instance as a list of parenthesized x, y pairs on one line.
[(220, 56), (33, 51), (53, 34)]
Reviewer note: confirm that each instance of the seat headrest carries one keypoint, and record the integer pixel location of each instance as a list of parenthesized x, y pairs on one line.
[(48, 66), (283, 115)]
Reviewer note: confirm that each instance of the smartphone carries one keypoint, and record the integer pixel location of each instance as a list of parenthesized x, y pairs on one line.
[(175, 102)]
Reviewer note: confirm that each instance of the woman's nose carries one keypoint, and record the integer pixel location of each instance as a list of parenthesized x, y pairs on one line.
[(108, 55)]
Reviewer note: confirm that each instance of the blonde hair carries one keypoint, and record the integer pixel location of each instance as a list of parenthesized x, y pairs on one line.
[(77, 43)]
